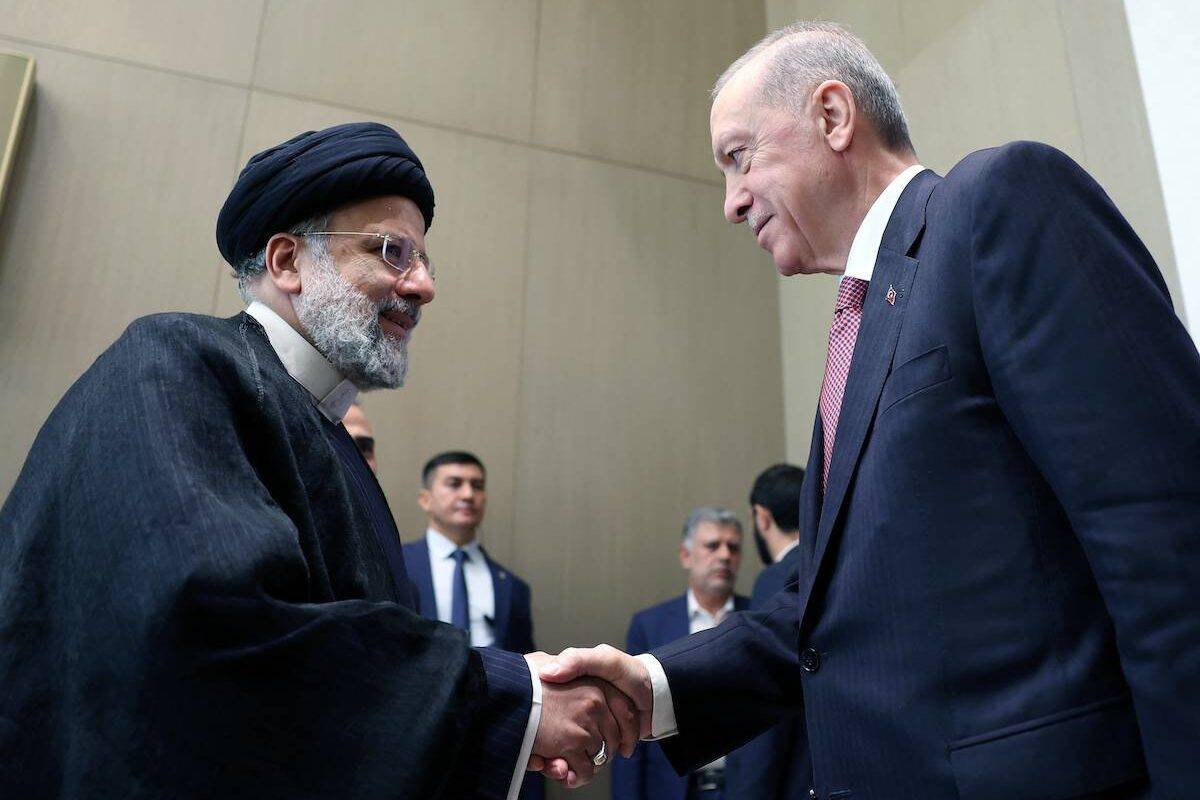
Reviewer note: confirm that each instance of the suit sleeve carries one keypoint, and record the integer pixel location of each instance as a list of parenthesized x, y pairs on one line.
[(732, 682), (628, 774), (754, 771), (1101, 382)]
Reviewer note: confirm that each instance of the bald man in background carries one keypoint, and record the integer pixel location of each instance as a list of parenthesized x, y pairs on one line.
[(355, 423)]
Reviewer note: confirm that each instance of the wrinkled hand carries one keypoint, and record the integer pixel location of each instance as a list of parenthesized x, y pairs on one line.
[(624, 679), (578, 716)]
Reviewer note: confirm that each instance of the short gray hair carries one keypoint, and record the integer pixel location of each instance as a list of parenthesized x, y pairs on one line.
[(799, 63), (717, 514), (248, 270)]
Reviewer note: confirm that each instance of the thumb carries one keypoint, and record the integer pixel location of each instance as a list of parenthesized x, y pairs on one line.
[(566, 666)]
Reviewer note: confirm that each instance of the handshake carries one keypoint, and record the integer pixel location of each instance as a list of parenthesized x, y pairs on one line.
[(595, 702)]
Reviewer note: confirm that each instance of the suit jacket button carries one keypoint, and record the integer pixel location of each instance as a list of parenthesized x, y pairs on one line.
[(812, 793), (810, 660)]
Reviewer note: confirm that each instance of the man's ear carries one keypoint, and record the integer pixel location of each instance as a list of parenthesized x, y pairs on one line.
[(763, 518), (283, 270), (837, 114), (685, 557), (424, 499)]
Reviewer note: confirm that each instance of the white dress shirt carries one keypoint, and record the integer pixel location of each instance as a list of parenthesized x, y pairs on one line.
[(701, 620), (860, 263), (333, 394), (480, 593)]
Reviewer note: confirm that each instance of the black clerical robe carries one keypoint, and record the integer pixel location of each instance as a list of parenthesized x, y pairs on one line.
[(194, 603)]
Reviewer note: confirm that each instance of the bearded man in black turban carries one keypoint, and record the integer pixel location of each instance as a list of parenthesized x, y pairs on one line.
[(202, 592)]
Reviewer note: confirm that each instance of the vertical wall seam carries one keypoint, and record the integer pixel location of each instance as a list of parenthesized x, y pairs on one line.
[(519, 426), (1066, 45), (241, 142)]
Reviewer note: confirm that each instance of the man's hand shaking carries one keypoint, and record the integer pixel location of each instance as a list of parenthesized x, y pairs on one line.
[(589, 697)]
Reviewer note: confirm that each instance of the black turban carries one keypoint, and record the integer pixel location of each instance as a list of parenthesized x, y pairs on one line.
[(317, 172)]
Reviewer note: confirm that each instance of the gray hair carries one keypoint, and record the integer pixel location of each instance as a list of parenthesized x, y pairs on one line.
[(250, 268), (717, 514), (798, 64)]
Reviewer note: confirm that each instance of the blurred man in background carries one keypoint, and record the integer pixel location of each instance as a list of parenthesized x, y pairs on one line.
[(774, 766), (710, 553), (456, 580), (360, 431)]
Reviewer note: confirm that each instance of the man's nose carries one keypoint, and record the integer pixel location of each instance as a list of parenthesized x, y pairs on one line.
[(737, 201), (416, 285)]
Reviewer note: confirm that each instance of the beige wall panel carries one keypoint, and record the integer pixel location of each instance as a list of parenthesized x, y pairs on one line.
[(650, 385), (983, 73), (805, 313), (628, 79), (215, 38), (462, 386), (461, 63), (1117, 148), (109, 217)]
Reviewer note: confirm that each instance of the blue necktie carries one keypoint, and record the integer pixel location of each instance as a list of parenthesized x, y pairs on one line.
[(460, 609)]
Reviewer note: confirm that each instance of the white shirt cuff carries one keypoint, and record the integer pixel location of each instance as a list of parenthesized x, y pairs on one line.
[(662, 718), (535, 719)]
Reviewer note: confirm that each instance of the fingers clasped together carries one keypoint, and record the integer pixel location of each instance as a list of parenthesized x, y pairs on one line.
[(595, 702)]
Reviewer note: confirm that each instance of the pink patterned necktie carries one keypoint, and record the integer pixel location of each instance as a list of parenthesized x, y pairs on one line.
[(847, 315)]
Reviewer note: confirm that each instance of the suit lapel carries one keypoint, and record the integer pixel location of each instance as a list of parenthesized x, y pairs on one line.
[(421, 574), (883, 315), (810, 491), (502, 592)]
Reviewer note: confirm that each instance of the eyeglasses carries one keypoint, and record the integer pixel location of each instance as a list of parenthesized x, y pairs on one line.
[(398, 252)]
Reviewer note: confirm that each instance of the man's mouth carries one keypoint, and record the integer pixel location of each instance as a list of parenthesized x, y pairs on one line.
[(758, 225), (400, 320)]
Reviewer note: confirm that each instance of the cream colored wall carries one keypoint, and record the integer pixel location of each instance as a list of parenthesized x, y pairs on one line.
[(601, 338), (977, 73)]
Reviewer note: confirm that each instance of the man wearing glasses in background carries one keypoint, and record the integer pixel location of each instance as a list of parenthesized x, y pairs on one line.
[(202, 592)]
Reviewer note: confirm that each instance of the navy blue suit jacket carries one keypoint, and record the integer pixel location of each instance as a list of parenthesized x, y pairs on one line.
[(999, 599), (647, 775), (512, 624), (774, 765)]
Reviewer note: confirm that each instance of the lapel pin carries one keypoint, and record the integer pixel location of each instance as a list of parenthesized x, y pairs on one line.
[(891, 295)]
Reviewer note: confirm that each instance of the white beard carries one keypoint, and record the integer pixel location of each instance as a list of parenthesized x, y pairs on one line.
[(343, 324)]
